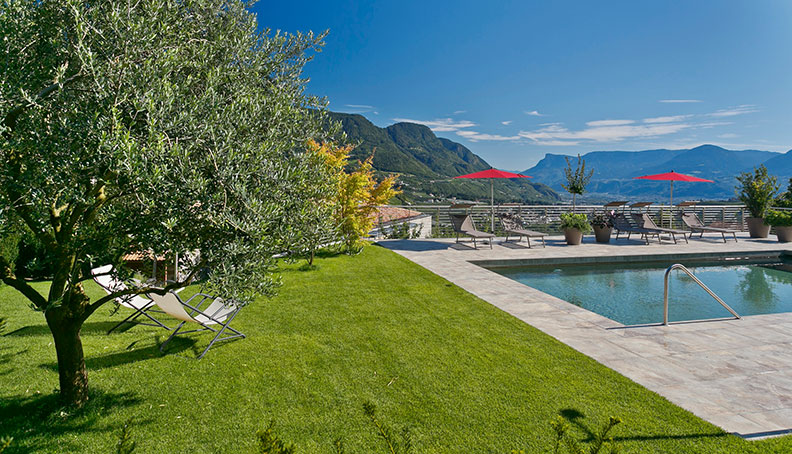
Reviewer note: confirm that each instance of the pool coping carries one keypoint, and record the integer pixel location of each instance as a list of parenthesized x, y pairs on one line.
[(736, 374)]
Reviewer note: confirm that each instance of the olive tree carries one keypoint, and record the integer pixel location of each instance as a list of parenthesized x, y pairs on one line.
[(162, 125)]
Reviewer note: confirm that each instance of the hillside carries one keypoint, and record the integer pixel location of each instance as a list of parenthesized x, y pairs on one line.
[(614, 172), (426, 164)]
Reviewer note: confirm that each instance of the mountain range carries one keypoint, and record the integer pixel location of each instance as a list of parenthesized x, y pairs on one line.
[(614, 172), (426, 164)]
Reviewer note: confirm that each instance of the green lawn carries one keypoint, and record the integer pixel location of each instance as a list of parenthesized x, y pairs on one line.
[(464, 376)]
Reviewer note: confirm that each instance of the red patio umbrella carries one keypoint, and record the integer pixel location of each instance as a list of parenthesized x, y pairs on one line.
[(672, 177), (492, 174)]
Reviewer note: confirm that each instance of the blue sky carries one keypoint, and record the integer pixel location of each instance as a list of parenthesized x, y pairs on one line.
[(513, 81)]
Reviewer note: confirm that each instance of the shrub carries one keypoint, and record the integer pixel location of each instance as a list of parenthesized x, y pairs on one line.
[(601, 220), (778, 218), (757, 190), (575, 221)]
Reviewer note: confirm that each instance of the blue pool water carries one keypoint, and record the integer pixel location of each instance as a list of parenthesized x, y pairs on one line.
[(633, 293)]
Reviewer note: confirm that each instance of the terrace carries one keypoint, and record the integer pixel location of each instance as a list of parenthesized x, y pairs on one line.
[(732, 373)]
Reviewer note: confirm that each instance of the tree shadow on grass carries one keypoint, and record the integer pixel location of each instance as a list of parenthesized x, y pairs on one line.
[(87, 328), (178, 344), (38, 422), (576, 419)]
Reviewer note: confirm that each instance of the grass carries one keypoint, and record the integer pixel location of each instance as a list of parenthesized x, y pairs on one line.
[(464, 376)]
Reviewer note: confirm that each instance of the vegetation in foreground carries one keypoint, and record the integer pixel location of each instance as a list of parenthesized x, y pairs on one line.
[(461, 374)]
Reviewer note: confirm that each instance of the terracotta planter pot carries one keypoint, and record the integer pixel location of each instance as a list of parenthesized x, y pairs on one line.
[(784, 234), (757, 227), (573, 236), (602, 234)]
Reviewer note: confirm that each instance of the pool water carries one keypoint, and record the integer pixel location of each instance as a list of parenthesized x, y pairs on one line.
[(632, 294)]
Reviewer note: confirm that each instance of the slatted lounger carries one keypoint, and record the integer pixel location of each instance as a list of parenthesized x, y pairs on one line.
[(643, 220), (513, 226), (694, 223), (463, 225), (622, 225)]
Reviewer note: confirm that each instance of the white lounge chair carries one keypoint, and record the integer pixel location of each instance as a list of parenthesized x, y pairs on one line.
[(218, 313), (104, 276)]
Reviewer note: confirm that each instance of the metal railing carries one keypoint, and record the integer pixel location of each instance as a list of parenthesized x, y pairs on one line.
[(546, 218), (679, 266)]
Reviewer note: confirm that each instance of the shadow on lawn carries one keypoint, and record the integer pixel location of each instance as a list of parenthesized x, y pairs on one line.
[(87, 328), (575, 418), (37, 422), (178, 344)]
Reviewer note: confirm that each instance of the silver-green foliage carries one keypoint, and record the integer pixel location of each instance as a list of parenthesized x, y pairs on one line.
[(170, 125), (577, 178)]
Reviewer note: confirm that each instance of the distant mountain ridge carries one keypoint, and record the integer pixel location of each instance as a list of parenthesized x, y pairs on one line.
[(614, 171), (427, 163)]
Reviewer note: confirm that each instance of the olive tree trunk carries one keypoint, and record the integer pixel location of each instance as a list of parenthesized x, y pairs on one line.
[(73, 379)]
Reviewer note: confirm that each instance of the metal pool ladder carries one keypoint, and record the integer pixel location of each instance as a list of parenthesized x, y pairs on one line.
[(679, 266)]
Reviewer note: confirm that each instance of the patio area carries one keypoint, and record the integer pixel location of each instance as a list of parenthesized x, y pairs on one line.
[(736, 374)]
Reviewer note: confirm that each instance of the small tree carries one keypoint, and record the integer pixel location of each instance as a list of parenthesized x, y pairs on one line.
[(577, 179), (150, 125), (756, 190), (359, 194)]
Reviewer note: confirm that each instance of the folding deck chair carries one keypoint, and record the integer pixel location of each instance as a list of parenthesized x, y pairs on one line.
[(694, 223), (643, 220), (218, 312), (513, 226), (103, 276), (463, 225)]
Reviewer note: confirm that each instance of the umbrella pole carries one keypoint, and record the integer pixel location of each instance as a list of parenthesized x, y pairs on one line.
[(671, 208), (492, 204)]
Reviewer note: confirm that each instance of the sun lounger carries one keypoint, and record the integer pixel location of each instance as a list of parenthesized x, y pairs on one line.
[(643, 220), (694, 223), (104, 276), (463, 225), (513, 225), (622, 225), (218, 314)]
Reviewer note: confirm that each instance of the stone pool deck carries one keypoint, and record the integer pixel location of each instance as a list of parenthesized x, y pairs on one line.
[(736, 374)]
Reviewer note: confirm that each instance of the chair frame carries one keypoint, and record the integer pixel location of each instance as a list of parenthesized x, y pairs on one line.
[(622, 224), (513, 225), (195, 309), (125, 302), (699, 226), (463, 225), (648, 223)]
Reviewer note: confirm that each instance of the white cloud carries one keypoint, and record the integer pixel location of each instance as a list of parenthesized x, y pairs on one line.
[(679, 101), (601, 132), (599, 123), (506, 123), (476, 136), (668, 119), (732, 111), (728, 135), (457, 112), (440, 124), (534, 113), (358, 109)]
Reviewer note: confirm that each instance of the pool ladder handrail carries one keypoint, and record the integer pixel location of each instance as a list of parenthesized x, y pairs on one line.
[(679, 266)]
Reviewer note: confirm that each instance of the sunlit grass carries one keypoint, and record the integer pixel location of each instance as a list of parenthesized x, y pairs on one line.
[(464, 376)]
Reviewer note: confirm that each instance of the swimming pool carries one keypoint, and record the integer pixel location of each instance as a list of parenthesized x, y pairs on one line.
[(632, 293)]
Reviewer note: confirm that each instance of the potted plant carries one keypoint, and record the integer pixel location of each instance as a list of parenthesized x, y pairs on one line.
[(603, 226), (757, 190), (782, 221), (574, 226)]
